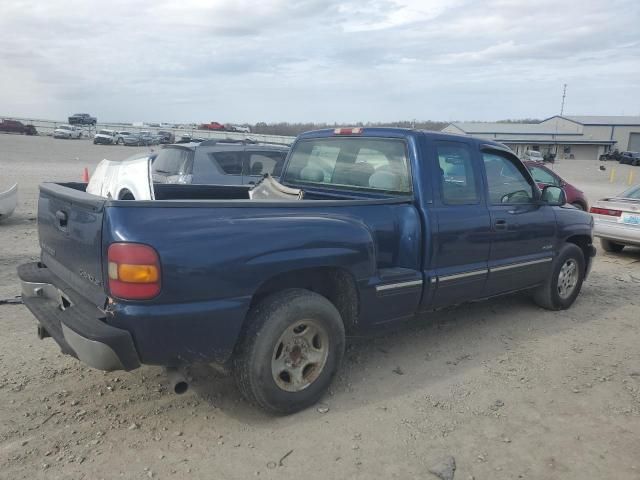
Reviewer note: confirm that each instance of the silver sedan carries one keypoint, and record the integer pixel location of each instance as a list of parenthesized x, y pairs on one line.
[(617, 220)]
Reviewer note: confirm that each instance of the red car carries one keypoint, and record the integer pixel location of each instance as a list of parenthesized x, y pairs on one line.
[(211, 126), (543, 176), (13, 126)]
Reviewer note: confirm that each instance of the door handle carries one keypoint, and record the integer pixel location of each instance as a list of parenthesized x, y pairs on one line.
[(62, 218), (500, 224)]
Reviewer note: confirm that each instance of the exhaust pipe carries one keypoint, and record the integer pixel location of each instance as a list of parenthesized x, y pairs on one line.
[(177, 382)]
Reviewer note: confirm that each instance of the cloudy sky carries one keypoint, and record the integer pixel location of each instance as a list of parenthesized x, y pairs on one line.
[(318, 60)]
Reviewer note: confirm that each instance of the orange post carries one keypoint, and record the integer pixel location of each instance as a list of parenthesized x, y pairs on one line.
[(85, 175)]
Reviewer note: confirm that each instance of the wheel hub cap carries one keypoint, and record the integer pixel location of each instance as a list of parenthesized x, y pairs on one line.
[(300, 355), (567, 278)]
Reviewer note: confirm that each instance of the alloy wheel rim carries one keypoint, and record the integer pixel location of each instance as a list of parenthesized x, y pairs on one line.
[(567, 278), (300, 355)]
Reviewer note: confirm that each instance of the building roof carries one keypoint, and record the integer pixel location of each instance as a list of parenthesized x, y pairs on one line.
[(513, 128), (602, 119)]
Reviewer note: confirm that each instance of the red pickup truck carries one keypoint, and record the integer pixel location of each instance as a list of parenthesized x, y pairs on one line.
[(212, 126), (14, 126)]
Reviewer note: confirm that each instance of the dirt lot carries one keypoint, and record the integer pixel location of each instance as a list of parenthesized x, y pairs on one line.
[(507, 389)]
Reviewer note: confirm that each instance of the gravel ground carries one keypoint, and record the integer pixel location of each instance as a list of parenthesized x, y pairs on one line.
[(506, 389)]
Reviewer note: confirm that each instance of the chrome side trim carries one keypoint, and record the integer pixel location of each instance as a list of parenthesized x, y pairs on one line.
[(391, 286), (455, 276), (521, 264)]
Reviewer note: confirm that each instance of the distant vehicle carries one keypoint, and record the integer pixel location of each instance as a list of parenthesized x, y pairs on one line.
[(166, 136), (131, 139), (14, 126), (630, 158), (238, 128), (149, 138), (533, 155), (212, 126), (617, 220), (543, 177), (120, 136), (218, 162), (615, 155), (82, 119), (549, 157), (105, 137), (67, 131)]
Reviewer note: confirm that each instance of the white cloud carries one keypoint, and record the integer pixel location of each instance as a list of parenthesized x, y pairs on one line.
[(322, 60)]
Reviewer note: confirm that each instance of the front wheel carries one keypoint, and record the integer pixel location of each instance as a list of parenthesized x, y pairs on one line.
[(562, 288), (292, 348)]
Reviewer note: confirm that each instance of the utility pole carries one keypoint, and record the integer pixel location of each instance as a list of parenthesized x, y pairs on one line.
[(564, 94)]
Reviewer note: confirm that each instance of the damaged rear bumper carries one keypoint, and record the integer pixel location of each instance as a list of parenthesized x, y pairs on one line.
[(75, 324)]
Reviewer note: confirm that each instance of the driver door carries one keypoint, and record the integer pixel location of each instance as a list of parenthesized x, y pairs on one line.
[(523, 228)]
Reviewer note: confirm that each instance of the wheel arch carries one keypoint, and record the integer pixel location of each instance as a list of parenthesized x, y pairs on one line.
[(336, 284)]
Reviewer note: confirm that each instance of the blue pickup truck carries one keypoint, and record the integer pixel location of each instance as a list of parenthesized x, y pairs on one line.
[(393, 223)]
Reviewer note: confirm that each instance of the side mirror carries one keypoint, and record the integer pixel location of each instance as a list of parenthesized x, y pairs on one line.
[(553, 195)]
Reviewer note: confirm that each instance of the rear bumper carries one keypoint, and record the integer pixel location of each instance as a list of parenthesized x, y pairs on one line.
[(618, 232), (75, 324)]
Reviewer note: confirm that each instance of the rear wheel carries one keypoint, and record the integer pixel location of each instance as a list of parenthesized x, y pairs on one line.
[(609, 246), (562, 288), (290, 352)]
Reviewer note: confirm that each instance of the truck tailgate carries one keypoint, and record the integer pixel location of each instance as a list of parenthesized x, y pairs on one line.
[(70, 232)]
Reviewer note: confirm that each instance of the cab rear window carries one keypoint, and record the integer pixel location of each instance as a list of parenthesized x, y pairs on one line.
[(378, 164)]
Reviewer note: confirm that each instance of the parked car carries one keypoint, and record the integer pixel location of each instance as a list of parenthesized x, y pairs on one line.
[(238, 128), (218, 162), (211, 126), (374, 234), (166, 137), (533, 155), (67, 131), (149, 138), (630, 158), (121, 179), (549, 157), (14, 126), (617, 220), (82, 119), (544, 176), (8, 202), (105, 137), (615, 155)]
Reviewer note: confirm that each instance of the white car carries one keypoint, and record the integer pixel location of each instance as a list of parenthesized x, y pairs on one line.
[(128, 179), (617, 220), (533, 155), (105, 137), (67, 131)]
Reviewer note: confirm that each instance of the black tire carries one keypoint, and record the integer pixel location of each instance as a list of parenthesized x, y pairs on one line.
[(548, 295), (268, 323), (120, 141), (609, 246)]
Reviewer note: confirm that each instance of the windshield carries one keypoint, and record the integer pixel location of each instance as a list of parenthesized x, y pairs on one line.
[(64, 127), (105, 132), (533, 153), (351, 162)]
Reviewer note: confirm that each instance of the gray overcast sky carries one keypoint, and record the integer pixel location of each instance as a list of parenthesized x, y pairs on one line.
[(318, 60)]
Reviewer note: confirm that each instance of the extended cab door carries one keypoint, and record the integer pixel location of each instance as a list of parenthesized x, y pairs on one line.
[(523, 227), (461, 228)]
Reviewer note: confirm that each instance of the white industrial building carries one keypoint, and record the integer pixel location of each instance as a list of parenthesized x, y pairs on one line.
[(569, 136)]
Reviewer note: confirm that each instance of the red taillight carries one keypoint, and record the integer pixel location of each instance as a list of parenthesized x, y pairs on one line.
[(605, 211), (133, 271), (348, 131)]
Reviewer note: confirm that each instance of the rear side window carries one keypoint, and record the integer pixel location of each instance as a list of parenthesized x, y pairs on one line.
[(229, 163), (266, 162), (351, 162), (173, 161), (457, 178)]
